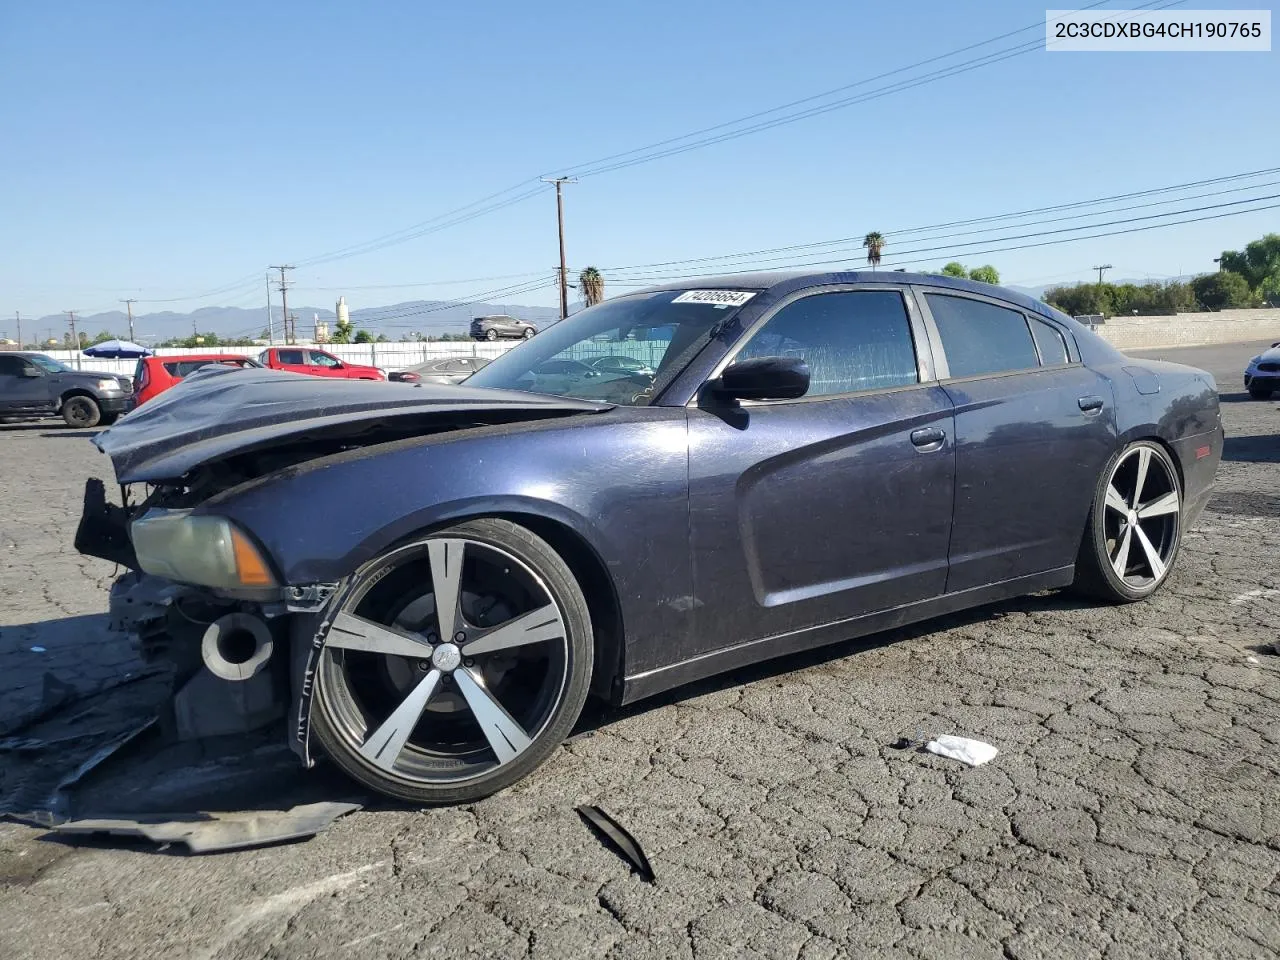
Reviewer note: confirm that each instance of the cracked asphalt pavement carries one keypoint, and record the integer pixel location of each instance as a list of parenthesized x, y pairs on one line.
[(1133, 810)]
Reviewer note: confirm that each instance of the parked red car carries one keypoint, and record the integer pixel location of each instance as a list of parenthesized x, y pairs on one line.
[(317, 363), (155, 375)]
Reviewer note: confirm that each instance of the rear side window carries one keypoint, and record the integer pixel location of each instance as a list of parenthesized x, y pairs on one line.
[(184, 368), (980, 338), (291, 356), (852, 340), (1051, 343), (11, 366)]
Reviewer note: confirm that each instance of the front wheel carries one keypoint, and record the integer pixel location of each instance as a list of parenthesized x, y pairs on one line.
[(81, 412), (1259, 393), (529, 332), (455, 666), (1134, 528)]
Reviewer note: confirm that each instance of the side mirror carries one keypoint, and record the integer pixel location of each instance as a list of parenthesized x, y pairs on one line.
[(32, 372), (764, 378)]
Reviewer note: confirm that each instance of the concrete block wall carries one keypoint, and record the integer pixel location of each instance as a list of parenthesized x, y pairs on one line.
[(1191, 329)]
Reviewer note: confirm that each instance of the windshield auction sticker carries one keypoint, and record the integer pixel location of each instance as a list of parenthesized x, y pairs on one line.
[(1117, 31), (716, 298)]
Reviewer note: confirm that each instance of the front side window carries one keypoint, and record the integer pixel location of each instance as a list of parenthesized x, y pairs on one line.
[(48, 364), (662, 331), (319, 359), (852, 340), (980, 338)]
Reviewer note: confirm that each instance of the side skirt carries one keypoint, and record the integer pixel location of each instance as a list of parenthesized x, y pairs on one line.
[(647, 684)]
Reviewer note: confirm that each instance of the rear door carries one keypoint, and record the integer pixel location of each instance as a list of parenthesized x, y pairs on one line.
[(835, 505), (1034, 428), (293, 360)]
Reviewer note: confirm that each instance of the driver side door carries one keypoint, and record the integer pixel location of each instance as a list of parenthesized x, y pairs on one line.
[(808, 512), (20, 392)]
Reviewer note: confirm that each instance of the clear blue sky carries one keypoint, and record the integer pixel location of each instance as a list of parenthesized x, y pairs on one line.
[(163, 149)]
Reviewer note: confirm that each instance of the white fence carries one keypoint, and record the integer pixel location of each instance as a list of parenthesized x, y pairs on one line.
[(389, 356)]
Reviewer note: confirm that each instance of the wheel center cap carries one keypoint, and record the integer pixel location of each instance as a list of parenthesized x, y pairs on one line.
[(1133, 517), (446, 657)]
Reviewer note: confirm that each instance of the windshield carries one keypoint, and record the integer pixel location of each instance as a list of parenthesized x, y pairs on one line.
[(48, 363), (647, 337)]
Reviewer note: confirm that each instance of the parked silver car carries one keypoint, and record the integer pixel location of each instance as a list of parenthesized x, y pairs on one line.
[(500, 326), (440, 370)]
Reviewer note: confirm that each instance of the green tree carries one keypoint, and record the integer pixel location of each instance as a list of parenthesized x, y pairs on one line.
[(591, 283), (985, 274), (342, 332), (1269, 288), (382, 338), (102, 337), (1223, 290), (362, 336), (955, 269), (874, 242), (1256, 262)]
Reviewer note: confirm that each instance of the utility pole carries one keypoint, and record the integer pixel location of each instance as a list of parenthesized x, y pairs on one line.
[(271, 334), (75, 338), (129, 304), (564, 279), (1105, 266), (17, 316), (284, 297)]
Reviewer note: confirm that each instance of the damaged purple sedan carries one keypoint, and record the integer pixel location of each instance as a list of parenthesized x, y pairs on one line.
[(427, 583)]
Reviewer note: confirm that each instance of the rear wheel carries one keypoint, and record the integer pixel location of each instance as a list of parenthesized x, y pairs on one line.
[(81, 412), (491, 334), (529, 332), (1134, 528), (456, 666)]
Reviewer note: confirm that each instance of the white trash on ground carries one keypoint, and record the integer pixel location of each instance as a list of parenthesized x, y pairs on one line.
[(973, 752)]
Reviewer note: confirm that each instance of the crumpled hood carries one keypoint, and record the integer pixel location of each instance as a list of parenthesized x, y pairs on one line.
[(219, 411)]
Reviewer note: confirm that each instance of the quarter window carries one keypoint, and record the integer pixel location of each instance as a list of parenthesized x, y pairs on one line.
[(1052, 345), (852, 340), (980, 338)]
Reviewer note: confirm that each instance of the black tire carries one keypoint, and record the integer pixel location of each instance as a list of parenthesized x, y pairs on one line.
[(529, 332), (1095, 575), (81, 412), (491, 334), (436, 779), (1260, 393)]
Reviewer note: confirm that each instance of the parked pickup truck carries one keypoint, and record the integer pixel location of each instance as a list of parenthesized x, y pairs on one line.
[(33, 385), (317, 363)]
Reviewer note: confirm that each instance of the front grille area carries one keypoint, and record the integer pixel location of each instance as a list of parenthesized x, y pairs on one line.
[(127, 384), (1269, 367)]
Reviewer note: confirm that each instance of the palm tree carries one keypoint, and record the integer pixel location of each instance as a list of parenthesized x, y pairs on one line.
[(591, 283), (874, 243)]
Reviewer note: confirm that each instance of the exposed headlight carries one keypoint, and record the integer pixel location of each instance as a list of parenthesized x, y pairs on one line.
[(109, 385), (203, 550)]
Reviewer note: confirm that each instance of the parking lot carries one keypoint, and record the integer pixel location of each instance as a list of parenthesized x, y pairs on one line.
[(1133, 810)]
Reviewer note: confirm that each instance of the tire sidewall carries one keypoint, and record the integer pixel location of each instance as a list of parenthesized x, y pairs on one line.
[(538, 555), (92, 420), (1097, 525)]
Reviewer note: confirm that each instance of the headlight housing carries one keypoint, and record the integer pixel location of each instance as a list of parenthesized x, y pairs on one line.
[(109, 385), (208, 551)]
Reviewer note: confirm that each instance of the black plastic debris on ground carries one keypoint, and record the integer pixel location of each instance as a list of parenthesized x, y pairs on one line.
[(618, 838), (215, 832)]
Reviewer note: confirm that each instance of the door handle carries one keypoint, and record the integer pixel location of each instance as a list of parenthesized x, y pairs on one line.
[(928, 439), (1090, 405)]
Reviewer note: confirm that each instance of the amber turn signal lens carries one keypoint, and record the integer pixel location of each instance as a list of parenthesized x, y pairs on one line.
[(250, 567)]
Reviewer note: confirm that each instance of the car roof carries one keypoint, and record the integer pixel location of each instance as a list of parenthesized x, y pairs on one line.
[(202, 356), (779, 283)]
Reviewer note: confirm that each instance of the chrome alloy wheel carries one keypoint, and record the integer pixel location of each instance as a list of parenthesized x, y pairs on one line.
[(1141, 522), (446, 665)]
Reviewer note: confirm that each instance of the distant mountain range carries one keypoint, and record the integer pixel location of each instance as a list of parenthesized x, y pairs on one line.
[(431, 318)]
